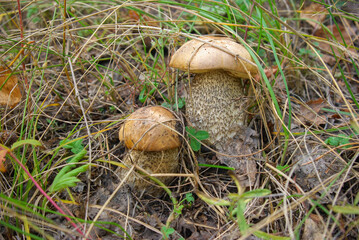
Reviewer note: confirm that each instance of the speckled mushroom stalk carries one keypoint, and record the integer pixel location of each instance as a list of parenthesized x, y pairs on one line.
[(150, 136), (215, 99), (215, 104)]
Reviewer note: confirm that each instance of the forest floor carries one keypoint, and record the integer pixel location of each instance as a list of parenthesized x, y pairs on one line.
[(82, 67)]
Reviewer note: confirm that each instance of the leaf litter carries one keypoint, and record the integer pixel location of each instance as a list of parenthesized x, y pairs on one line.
[(314, 166)]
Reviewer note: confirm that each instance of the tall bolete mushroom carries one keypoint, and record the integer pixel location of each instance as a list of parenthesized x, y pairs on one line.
[(150, 136), (215, 99)]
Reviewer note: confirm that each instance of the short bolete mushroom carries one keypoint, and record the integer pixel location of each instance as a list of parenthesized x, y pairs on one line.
[(150, 135), (215, 99)]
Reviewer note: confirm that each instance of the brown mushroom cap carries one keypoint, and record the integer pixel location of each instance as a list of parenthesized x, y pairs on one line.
[(199, 57), (150, 129)]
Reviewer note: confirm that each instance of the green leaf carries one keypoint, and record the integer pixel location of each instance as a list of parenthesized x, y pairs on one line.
[(167, 231), (74, 159), (193, 134), (153, 89), (178, 209), (355, 126), (76, 171), (202, 135), (284, 168), (213, 200), (345, 209), (66, 177), (339, 140), (256, 193), (356, 200), (74, 146), (78, 147), (32, 142), (241, 220), (166, 105), (333, 141), (181, 103), (189, 198), (190, 130), (267, 236), (142, 96), (32, 11), (215, 166), (64, 183), (195, 145)]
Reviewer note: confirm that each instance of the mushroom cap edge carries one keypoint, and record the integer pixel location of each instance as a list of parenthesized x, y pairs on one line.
[(199, 57)]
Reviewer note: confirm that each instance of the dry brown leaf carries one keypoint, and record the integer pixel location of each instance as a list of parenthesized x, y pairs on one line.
[(3, 160), (269, 72), (7, 137), (314, 13), (313, 230), (134, 16), (315, 166), (310, 112), (10, 93), (341, 36)]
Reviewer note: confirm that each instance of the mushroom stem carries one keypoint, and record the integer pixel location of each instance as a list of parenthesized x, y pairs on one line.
[(214, 104), (153, 162)]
